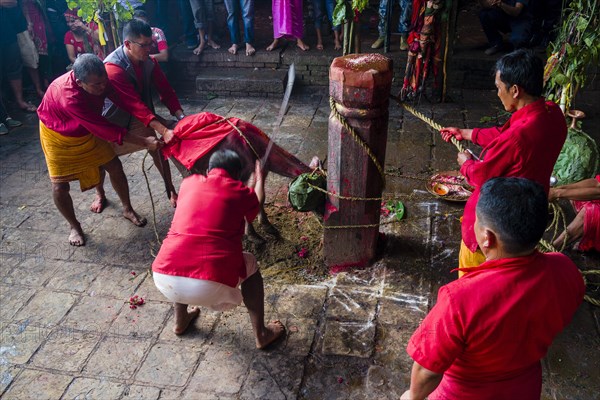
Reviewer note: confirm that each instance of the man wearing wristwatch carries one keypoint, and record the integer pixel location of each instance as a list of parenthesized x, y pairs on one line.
[(134, 75), (502, 16)]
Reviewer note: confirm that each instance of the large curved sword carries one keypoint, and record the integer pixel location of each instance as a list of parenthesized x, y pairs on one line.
[(286, 98)]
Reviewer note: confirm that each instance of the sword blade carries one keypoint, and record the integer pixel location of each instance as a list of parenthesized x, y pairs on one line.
[(282, 111)]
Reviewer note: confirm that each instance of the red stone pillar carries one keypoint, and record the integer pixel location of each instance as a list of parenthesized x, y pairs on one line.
[(360, 86)]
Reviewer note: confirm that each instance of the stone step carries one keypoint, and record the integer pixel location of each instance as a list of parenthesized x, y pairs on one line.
[(249, 82)]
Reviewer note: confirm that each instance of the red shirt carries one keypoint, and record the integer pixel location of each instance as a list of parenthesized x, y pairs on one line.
[(205, 239), (490, 329), (527, 146), (128, 93), (159, 41), (71, 111), (78, 44)]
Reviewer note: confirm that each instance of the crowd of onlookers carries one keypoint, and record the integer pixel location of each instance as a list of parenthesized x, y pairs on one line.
[(44, 37)]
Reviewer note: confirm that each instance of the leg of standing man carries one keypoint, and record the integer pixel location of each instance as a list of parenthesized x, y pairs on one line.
[(254, 299), (118, 181), (233, 8), (248, 18), (64, 203), (404, 22), (189, 30)]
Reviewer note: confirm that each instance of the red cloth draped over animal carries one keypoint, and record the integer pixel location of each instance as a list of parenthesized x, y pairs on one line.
[(198, 136), (424, 47)]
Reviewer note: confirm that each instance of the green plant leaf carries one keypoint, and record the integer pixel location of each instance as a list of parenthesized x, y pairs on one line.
[(560, 79), (399, 210), (340, 13), (582, 23)]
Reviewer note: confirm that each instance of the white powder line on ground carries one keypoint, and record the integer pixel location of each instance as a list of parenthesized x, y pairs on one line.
[(443, 255), (350, 300)]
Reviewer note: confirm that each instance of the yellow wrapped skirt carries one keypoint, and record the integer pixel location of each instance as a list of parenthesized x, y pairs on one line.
[(74, 158)]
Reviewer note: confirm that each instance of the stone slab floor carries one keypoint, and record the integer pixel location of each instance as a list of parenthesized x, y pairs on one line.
[(67, 332)]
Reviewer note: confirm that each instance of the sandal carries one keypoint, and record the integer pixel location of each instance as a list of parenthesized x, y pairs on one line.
[(12, 123)]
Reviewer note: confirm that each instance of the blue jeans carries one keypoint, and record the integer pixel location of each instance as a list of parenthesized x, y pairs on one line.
[(246, 7), (493, 21), (320, 7), (405, 16), (187, 18), (204, 12)]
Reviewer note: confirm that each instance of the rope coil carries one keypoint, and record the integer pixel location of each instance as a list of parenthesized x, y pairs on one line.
[(356, 137)]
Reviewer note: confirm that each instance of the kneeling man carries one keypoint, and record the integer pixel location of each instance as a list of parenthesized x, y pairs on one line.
[(71, 129), (486, 335), (201, 261)]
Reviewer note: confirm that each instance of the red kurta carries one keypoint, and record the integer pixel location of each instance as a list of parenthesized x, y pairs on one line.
[(71, 111), (205, 239), (490, 329), (527, 146), (128, 93)]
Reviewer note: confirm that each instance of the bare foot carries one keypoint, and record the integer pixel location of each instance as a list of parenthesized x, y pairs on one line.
[(76, 237), (213, 44), (319, 46), (271, 333), (273, 45), (27, 107), (99, 204), (173, 198), (198, 50), (135, 218), (337, 45), (303, 46), (250, 50), (233, 49), (183, 323)]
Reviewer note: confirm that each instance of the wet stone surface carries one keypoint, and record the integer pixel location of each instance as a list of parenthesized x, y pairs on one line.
[(67, 331)]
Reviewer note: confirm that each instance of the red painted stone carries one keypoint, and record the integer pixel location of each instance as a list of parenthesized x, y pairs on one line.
[(360, 84)]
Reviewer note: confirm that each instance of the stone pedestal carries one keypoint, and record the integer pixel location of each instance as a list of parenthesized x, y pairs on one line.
[(360, 86)]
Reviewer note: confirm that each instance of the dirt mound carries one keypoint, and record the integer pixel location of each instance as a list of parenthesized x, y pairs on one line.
[(296, 255)]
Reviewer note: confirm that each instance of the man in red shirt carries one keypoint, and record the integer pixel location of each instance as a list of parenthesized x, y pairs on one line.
[(133, 73), (71, 126), (201, 260), (160, 48), (486, 335), (526, 146)]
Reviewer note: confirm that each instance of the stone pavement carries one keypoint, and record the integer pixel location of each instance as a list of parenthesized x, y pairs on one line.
[(66, 330)]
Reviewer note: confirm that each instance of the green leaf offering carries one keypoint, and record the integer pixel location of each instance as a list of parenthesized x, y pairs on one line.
[(579, 159), (397, 208)]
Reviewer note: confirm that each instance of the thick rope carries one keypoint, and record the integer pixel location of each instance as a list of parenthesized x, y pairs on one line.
[(339, 196), (432, 124), (357, 139), (243, 136), (589, 298), (151, 198)]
